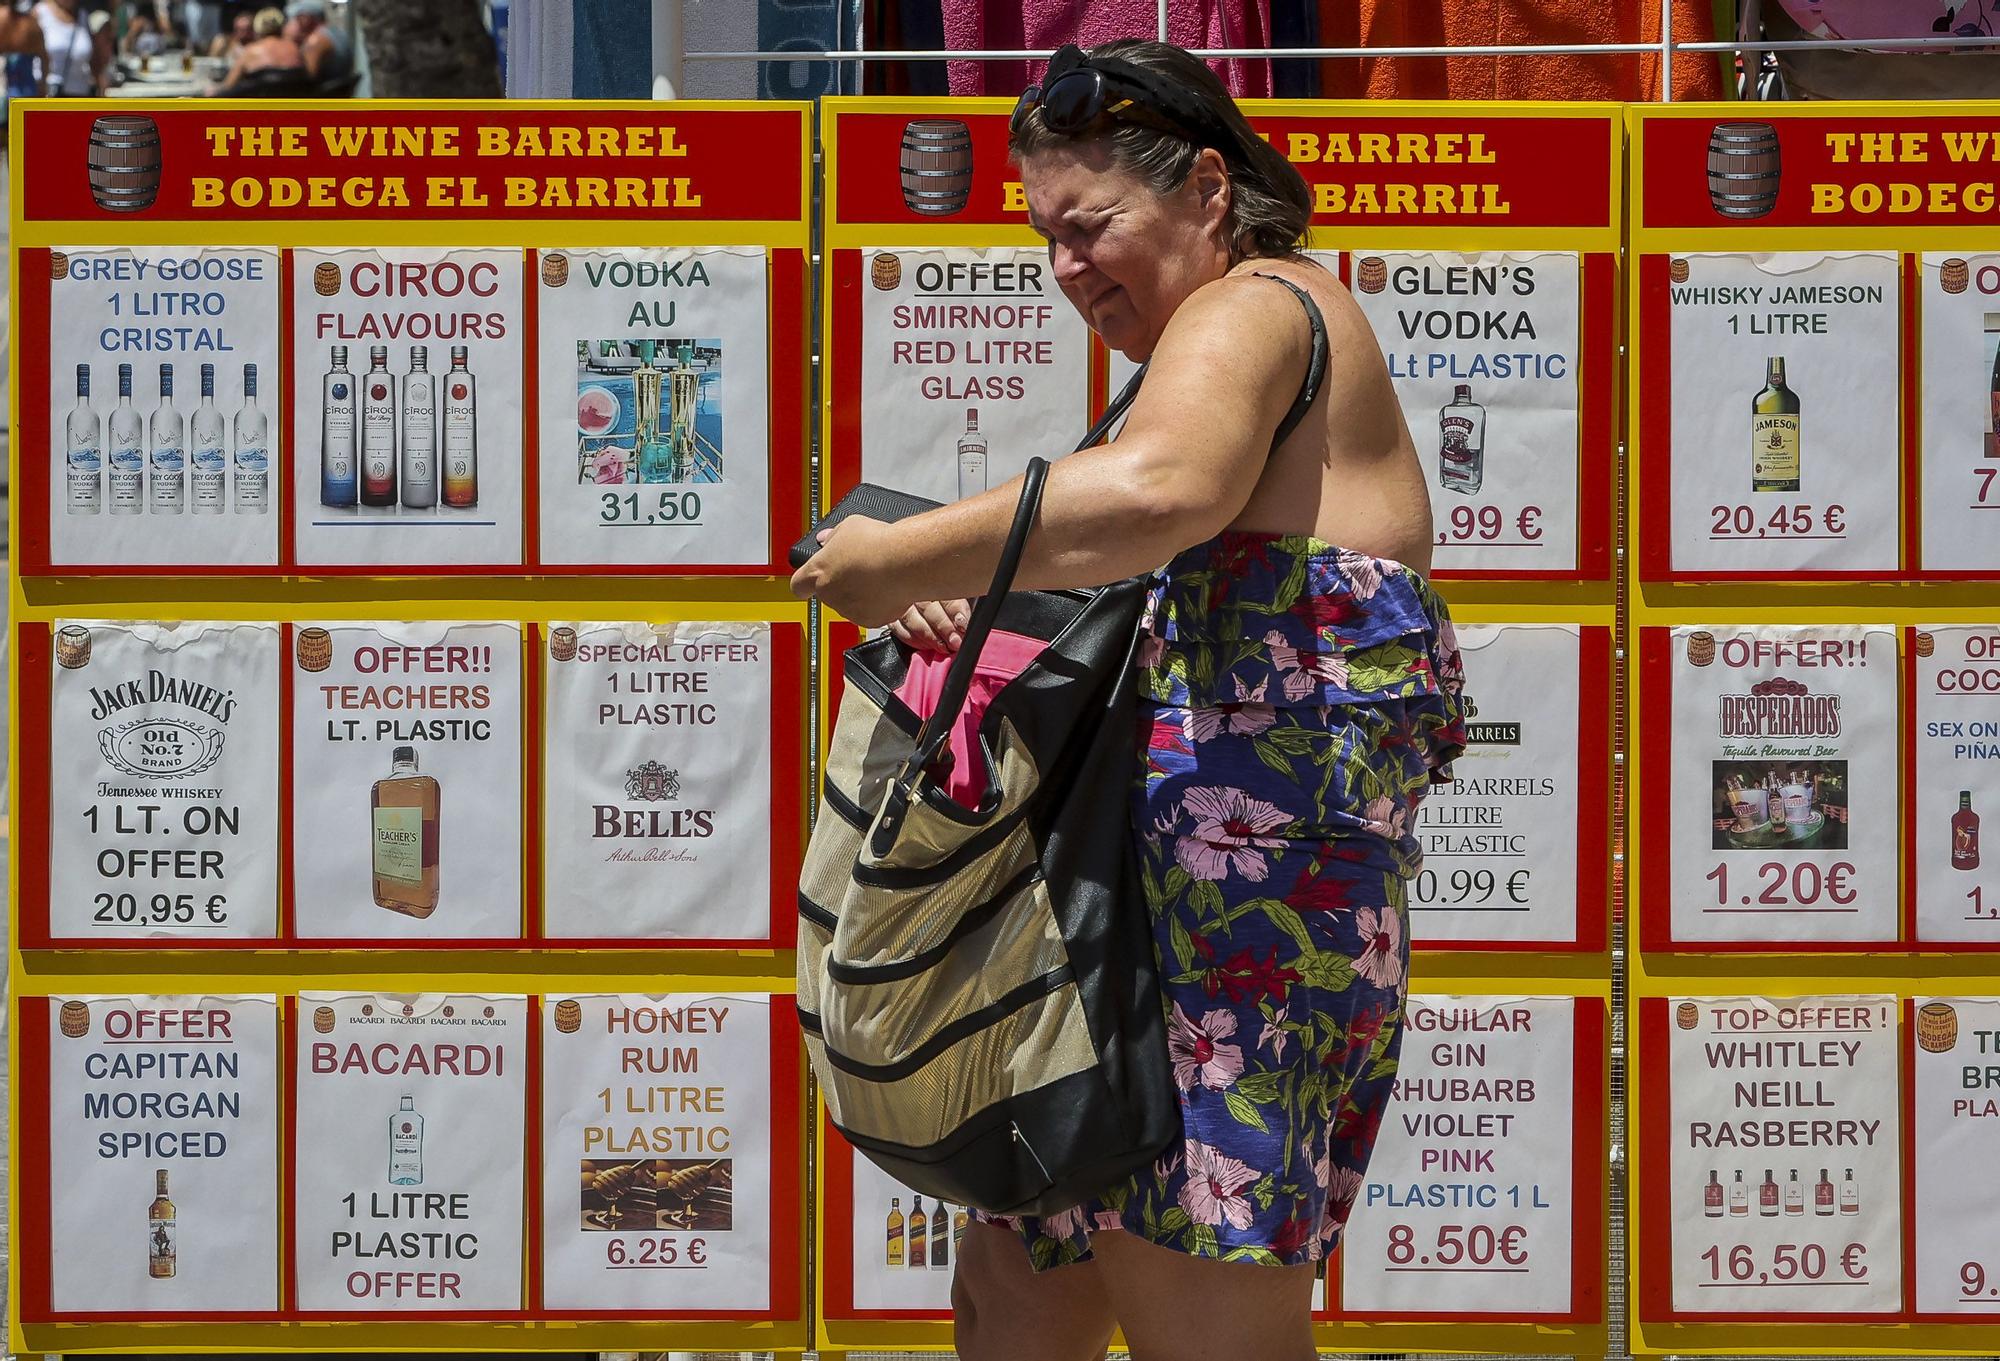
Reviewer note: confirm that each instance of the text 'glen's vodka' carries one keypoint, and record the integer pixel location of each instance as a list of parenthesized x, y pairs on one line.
[(461, 435), (169, 459), (378, 431), (83, 453), (253, 451), (336, 434), (406, 1147), (419, 441), (208, 464), (128, 451), (971, 457), (1462, 442)]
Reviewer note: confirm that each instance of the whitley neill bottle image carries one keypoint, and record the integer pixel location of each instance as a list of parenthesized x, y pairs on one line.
[(1774, 432), (1711, 1197)]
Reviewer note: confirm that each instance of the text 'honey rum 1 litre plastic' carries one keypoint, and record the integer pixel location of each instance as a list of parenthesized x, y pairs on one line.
[(405, 840), (253, 451), (208, 463), (162, 1239), (83, 453), (461, 435), (1774, 432)]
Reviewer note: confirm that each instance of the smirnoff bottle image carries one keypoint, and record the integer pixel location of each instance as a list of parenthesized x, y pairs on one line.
[(971, 457), (378, 431), (128, 451), (406, 1146), (167, 479), (162, 1239), (1965, 834), (1462, 442), (461, 435), (83, 452), (253, 451), (336, 434), (419, 436), (208, 464)]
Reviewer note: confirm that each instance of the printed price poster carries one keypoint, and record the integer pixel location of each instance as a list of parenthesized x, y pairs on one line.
[(1781, 784), (160, 1150), (163, 781), (1482, 349), (659, 773), (406, 781), (664, 454), (1956, 1072), (407, 1153), (1784, 410), (1961, 412), (159, 430), (667, 1188), (972, 362), (406, 407), (1954, 774), (1778, 1192), (1473, 1200), (1501, 842)]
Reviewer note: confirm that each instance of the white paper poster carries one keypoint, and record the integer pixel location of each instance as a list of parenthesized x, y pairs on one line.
[(1482, 349), (972, 362), (406, 408), (163, 386), (1500, 842), (657, 1150), (1957, 755), (163, 1153), (1785, 1169), (406, 788), (1787, 413), (1961, 412), (410, 1137), (904, 1247), (1783, 811), (163, 780), (656, 803), (1468, 1201), (655, 414), (1958, 1180)]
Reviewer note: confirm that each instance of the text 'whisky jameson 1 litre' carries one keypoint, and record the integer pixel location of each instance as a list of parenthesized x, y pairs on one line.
[(1774, 432)]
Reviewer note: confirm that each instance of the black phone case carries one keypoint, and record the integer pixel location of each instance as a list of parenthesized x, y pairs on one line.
[(869, 500)]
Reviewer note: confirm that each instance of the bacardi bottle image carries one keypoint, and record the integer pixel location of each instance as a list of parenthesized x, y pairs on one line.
[(378, 431), (1711, 1197), (167, 475), (461, 435), (253, 451), (1965, 834), (83, 451), (1462, 442), (336, 433), (419, 436), (919, 1228), (162, 1239), (208, 463), (1774, 432), (894, 1240), (406, 1146), (405, 851), (128, 451), (971, 457)]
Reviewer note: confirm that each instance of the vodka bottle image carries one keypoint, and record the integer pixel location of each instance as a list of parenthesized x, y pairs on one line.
[(253, 451), (971, 457), (162, 1238), (461, 435), (128, 451), (419, 434), (208, 464), (406, 1147), (336, 434), (378, 431), (167, 479), (83, 451), (1462, 442)]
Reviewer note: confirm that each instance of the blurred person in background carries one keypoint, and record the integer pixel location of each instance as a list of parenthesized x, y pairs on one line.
[(239, 36), (329, 56), (75, 52), (271, 64), (143, 37)]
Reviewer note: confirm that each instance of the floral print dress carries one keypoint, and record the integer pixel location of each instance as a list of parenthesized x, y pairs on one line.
[(1297, 701)]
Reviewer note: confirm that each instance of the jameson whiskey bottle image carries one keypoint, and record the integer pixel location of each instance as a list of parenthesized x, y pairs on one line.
[(1462, 442), (919, 1227), (461, 435), (940, 1237), (971, 457), (419, 438), (162, 1241), (378, 431), (1965, 834), (1823, 1194), (208, 464), (336, 433), (1711, 1196), (128, 451), (83, 451), (167, 479), (406, 1146), (405, 852), (1774, 432), (253, 451), (895, 1238)]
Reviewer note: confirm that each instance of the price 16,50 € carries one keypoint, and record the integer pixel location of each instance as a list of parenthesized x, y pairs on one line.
[(1788, 1264)]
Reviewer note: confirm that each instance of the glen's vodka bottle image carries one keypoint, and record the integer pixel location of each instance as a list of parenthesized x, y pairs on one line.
[(208, 464), (128, 451), (253, 451), (336, 434), (419, 438), (406, 1147), (378, 431), (971, 457), (461, 435), (168, 480), (83, 451), (1462, 442)]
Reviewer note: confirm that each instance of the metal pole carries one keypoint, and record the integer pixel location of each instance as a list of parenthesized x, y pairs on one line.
[(667, 46), (1667, 51), (1162, 24)]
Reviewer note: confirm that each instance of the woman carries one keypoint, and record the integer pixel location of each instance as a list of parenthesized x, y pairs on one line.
[(1298, 698), (268, 64), (74, 56)]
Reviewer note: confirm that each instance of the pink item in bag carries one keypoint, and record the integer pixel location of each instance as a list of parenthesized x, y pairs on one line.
[(1005, 656)]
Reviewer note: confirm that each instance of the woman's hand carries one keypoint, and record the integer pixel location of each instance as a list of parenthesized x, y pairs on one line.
[(933, 625), (855, 572)]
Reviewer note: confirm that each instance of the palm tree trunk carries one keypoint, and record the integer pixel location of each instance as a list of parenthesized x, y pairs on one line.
[(439, 49)]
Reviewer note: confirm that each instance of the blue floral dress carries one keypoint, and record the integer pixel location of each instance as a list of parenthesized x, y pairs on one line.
[(1297, 701)]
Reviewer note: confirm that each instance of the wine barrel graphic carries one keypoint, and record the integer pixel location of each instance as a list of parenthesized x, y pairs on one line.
[(1743, 169), (124, 162), (937, 166)]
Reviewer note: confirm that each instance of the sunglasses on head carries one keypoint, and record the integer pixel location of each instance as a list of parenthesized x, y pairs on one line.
[(1075, 98)]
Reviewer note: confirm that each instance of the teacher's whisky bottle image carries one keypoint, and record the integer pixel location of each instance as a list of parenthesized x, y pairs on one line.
[(167, 482), (1823, 1194), (1711, 1197), (253, 451), (895, 1238), (162, 1241), (336, 434), (378, 431), (1774, 432), (208, 463), (1462, 442), (405, 838), (919, 1226), (128, 451), (83, 451), (461, 435), (1965, 834), (406, 1146), (971, 457), (419, 440)]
